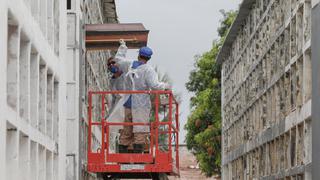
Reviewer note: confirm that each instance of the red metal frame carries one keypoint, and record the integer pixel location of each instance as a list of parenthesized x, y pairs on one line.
[(156, 161)]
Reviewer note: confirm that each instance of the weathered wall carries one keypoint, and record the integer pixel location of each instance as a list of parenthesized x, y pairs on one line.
[(44, 81), (266, 84), (85, 71), (315, 88), (32, 89)]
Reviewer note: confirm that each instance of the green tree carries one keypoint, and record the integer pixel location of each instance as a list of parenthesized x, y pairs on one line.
[(204, 122)]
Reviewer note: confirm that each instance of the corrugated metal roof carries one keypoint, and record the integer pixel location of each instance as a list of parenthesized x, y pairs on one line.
[(243, 13)]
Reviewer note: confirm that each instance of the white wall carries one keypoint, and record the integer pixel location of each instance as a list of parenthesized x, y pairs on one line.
[(32, 105), (3, 77)]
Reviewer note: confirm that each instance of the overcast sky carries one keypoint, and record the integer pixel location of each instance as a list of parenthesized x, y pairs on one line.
[(179, 30)]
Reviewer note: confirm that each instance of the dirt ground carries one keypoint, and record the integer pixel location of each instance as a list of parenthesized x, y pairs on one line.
[(188, 166)]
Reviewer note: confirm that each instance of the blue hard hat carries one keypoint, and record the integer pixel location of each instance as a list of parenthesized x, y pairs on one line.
[(146, 52)]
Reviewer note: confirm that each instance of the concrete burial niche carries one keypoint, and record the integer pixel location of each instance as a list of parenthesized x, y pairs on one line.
[(107, 36)]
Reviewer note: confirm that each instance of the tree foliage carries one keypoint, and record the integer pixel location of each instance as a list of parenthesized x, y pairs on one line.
[(204, 122)]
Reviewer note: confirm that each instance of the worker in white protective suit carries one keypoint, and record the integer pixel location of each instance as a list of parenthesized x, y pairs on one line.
[(137, 107), (118, 66)]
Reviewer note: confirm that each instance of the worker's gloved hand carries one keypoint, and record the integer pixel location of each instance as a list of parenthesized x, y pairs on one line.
[(122, 42)]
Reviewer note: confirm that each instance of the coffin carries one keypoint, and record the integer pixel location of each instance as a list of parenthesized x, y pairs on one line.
[(107, 36)]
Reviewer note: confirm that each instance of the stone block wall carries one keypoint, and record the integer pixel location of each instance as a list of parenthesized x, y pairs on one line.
[(266, 84), (87, 71)]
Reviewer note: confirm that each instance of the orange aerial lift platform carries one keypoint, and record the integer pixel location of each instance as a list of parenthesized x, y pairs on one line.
[(161, 156)]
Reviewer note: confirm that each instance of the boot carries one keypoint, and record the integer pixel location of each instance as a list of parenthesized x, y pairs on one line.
[(123, 149), (138, 148), (130, 148)]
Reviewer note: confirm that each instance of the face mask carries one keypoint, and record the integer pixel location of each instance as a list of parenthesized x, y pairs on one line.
[(114, 69)]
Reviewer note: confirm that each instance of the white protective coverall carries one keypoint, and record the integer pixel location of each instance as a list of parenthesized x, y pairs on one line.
[(117, 112), (142, 78), (124, 65)]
